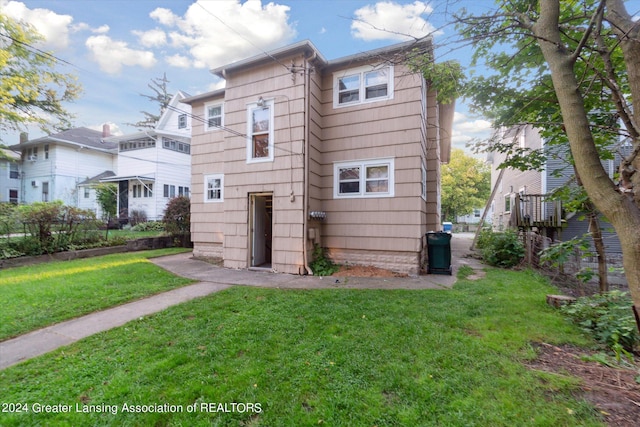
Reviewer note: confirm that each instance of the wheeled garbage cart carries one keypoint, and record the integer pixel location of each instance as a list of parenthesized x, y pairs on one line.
[(439, 253)]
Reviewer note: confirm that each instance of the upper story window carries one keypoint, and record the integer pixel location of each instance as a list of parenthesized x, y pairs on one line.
[(32, 153), (13, 171), (366, 178), (362, 85), (172, 144), (137, 144), (46, 151), (182, 121), (260, 132), (213, 116)]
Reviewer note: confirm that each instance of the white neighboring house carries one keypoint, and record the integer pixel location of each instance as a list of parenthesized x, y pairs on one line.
[(53, 166), (155, 165), (9, 176), (474, 217)]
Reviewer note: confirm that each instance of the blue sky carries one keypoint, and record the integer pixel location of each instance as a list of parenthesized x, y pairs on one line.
[(117, 47)]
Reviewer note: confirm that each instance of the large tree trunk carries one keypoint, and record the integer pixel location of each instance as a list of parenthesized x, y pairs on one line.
[(620, 209)]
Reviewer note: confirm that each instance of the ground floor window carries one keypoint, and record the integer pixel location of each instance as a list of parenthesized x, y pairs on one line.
[(214, 188)]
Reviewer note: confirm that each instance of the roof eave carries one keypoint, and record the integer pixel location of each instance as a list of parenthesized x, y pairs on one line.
[(381, 53), (266, 57)]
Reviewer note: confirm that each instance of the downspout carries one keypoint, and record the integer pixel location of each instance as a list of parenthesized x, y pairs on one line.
[(305, 154)]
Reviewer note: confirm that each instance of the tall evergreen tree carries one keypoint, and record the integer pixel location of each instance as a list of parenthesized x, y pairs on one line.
[(161, 97)]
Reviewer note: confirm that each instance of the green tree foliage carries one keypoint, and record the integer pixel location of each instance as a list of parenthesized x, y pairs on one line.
[(466, 183), (161, 97), (31, 91), (177, 216), (107, 198), (572, 68)]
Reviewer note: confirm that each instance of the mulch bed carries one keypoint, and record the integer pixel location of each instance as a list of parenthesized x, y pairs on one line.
[(614, 391)]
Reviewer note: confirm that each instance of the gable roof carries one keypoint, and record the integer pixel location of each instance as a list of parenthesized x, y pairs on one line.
[(81, 137), (96, 179), (172, 109)]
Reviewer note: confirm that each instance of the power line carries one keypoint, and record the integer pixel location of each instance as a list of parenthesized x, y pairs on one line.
[(243, 37)]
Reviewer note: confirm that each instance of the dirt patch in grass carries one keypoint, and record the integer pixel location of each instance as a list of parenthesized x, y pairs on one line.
[(366, 271), (614, 391)]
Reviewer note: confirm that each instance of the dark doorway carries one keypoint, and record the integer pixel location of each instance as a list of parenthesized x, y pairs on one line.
[(123, 201), (260, 224)]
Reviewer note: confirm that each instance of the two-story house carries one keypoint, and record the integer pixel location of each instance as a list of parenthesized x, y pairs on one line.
[(154, 166), (53, 166), (298, 151), (10, 173), (522, 197)]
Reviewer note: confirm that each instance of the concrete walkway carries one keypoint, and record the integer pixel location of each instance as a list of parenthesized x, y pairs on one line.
[(213, 279)]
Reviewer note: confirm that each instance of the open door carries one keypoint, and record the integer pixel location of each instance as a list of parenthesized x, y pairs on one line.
[(260, 225)]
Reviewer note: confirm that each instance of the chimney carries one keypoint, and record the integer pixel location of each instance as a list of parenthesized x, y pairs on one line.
[(106, 130), (24, 137)]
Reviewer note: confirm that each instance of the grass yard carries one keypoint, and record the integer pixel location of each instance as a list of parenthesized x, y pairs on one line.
[(35, 296), (315, 357)]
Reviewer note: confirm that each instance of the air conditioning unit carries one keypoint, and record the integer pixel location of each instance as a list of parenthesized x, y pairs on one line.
[(32, 158), (34, 183)]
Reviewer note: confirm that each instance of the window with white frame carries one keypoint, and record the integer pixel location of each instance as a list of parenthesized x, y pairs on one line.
[(46, 151), (169, 190), (362, 85), (148, 190), (182, 121), (13, 196), (507, 203), (214, 188), (183, 191), (213, 116), (172, 144), (366, 178), (87, 192), (423, 181), (14, 172), (45, 191), (260, 132)]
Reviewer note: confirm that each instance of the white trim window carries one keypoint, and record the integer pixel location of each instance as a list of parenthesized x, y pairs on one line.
[(182, 121), (214, 188), (260, 132), (364, 178), (362, 85), (423, 192), (214, 116)]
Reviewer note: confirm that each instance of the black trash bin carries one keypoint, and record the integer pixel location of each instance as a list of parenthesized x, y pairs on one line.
[(439, 253)]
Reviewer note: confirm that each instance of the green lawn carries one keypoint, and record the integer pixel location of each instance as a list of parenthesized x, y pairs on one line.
[(317, 357), (35, 296)]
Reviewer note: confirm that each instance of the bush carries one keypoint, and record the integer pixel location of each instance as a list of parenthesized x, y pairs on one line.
[(177, 216), (149, 226), (321, 264), (137, 217), (502, 249), (609, 318)]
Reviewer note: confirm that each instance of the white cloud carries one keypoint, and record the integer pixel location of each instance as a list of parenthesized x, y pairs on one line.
[(103, 29), (151, 38), (467, 130), (53, 27), (387, 20), (112, 55), (179, 61), (216, 33)]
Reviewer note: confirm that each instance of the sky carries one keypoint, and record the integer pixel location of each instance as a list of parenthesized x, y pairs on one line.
[(117, 48)]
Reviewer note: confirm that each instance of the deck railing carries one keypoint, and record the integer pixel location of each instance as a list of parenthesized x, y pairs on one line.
[(536, 210)]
